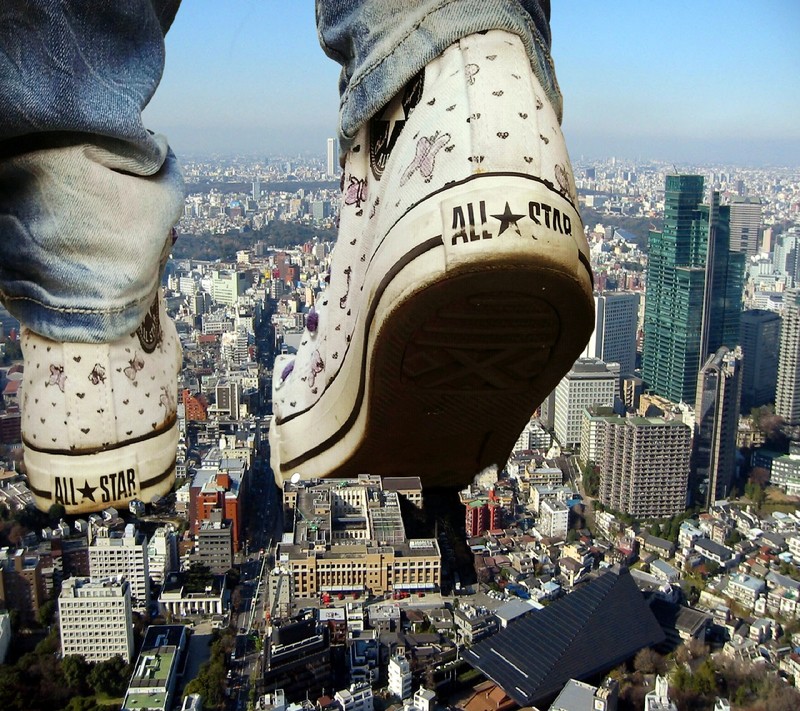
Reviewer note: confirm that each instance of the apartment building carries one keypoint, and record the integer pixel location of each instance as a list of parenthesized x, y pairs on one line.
[(644, 465)]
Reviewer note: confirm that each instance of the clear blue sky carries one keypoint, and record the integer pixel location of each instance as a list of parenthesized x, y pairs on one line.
[(678, 80)]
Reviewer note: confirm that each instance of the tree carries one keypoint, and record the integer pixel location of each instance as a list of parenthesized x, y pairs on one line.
[(55, 513), (704, 680), (591, 479), (46, 613), (648, 661), (110, 677), (76, 671)]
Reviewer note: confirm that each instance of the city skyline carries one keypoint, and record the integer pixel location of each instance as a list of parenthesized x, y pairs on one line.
[(684, 83)]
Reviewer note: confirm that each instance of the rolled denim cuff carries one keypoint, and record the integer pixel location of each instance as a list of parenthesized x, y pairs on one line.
[(85, 229), (381, 46)]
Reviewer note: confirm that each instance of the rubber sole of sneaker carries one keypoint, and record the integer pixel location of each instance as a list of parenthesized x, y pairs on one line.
[(83, 482), (468, 330)]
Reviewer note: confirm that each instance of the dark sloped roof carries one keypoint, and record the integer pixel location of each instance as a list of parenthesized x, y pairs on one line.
[(599, 625)]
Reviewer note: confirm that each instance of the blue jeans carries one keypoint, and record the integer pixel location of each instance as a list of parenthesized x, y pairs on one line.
[(88, 195)]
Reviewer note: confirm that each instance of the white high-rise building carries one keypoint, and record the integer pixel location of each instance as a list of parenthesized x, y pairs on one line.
[(590, 381), (787, 391), (162, 553), (112, 556), (614, 337), (333, 163), (95, 618)]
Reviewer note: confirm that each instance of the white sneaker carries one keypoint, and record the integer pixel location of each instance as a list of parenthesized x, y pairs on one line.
[(460, 288), (100, 420)]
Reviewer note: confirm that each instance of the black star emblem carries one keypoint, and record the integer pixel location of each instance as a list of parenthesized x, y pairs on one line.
[(507, 218), (87, 491)]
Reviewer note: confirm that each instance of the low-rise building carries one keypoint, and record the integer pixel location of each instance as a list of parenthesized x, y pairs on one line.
[(745, 589), (349, 537), (473, 623), (182, 597), (400, 677), (152, 684), (357, 698)]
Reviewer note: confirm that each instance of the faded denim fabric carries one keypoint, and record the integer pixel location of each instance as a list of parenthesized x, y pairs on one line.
[(88, 196), (381, 45)]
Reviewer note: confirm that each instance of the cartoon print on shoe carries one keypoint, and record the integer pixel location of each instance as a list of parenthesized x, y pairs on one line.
[(115, 407), (464, 297)]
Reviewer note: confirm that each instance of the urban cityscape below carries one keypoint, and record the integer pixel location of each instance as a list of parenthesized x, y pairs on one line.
[(640, 549)]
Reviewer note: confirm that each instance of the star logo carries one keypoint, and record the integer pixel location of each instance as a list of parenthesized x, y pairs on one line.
[(508, 218), (87, 491)]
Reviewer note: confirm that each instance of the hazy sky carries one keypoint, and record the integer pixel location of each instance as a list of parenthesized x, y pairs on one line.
[(685, 81)]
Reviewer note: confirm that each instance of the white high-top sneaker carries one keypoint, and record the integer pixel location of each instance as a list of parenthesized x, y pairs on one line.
[(460, 288), (99, 421)]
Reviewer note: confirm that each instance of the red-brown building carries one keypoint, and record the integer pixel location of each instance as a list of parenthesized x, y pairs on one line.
[(195, 406), (22, 585), (219, 489)]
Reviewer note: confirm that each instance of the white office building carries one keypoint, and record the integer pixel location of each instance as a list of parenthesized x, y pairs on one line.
[(95, 618), (589, 382), (112, 555), (162, 553)]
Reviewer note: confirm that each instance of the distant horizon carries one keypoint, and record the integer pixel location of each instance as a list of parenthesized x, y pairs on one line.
[(682, 82), (319, 154)]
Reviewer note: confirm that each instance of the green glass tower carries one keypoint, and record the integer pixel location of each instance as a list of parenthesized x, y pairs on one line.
[(694, 290)]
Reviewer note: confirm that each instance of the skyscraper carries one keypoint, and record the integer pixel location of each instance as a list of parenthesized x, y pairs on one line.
[(332, 162), (787, 392), (694, 289), (719, 389), (614, 337), (760, 339), (746, 225)]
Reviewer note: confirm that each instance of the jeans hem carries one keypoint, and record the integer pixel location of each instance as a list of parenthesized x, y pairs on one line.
[(77, 324), (374, 84)]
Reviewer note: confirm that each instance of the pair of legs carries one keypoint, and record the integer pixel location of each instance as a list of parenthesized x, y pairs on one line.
[(88, 198)]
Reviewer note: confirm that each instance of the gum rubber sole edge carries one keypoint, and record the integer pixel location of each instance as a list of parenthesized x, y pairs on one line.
[(494, 242)]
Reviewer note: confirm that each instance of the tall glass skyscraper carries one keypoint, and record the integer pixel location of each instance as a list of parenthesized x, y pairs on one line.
[(694, 290)]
